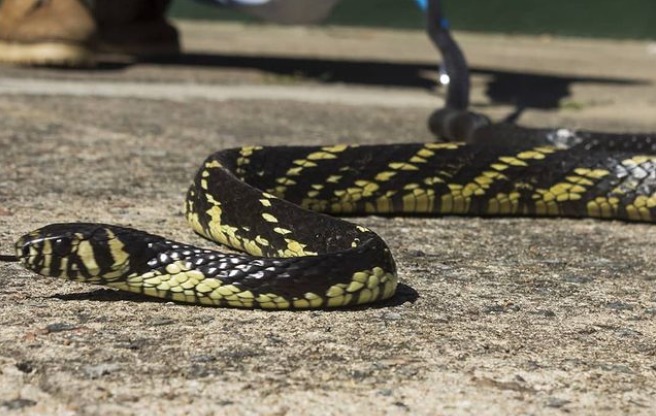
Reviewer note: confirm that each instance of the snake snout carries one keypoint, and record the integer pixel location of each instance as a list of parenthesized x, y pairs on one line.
[(23, 249), (45, 249), (29, 251)]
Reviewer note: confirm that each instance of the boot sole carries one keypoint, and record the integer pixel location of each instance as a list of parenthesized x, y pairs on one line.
[(46, 54)]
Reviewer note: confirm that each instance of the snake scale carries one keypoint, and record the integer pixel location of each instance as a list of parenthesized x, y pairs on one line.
[(272, 203)]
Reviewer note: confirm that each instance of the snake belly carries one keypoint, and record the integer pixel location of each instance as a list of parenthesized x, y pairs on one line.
[(272, 203)]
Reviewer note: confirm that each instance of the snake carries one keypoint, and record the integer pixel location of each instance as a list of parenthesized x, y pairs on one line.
[(282, 207)]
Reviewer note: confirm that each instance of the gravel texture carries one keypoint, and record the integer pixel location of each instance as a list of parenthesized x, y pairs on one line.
[(495, 316)]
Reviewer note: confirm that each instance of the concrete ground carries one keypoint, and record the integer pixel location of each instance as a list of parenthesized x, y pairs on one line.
[(496, 316)]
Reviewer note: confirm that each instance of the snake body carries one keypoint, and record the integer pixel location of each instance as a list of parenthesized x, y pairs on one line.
[(272, 203)]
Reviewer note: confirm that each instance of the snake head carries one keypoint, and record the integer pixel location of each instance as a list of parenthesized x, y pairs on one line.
[(76, 251), (37, 250)]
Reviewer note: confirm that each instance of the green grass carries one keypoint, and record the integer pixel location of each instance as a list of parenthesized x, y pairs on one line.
[(588, 18)]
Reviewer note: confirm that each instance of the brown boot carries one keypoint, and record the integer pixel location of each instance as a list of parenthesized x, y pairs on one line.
[(46, 32), (135, 27)]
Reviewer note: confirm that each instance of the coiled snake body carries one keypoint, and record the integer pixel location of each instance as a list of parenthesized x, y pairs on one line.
[(270, 202), (264, 201)]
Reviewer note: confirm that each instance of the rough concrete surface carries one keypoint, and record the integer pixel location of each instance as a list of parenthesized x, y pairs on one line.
[(496, 316)]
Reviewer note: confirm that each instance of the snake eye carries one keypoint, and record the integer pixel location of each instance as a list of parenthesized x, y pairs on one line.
[(62, 246), (25, 251)]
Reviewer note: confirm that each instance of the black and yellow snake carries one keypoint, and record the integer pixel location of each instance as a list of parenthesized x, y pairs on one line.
[(270, 202)]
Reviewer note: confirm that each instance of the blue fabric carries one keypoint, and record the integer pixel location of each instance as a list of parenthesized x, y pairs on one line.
[(422, 4)]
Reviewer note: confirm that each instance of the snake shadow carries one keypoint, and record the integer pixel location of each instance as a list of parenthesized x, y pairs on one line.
[(107, 295), (519, 89), (404, 294)]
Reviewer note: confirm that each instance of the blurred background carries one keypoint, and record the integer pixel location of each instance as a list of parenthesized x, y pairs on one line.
[(634, 19)]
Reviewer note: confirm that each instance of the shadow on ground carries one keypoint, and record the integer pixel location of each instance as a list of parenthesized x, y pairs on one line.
[(404, 293), (522, 90)]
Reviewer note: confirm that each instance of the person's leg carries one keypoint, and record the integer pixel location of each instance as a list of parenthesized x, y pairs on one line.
[(46, 32), (137, 27)]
